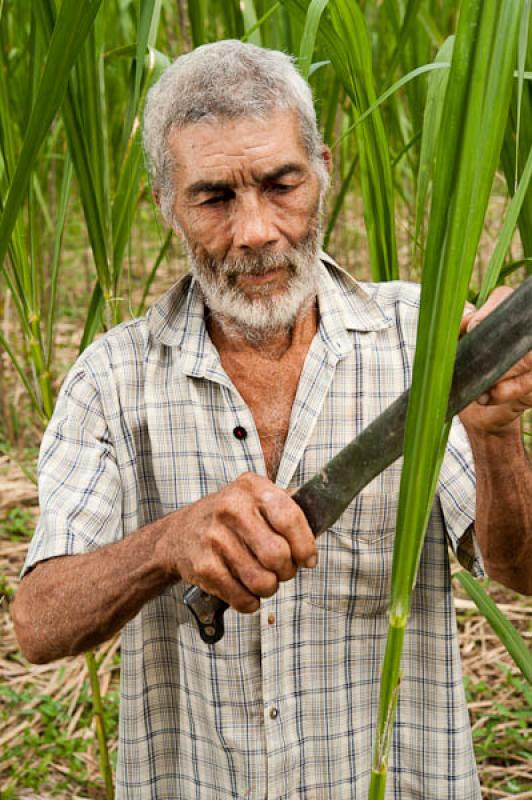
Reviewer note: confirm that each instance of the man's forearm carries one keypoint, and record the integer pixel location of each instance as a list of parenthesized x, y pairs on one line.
[(69, 604), (503, 523)]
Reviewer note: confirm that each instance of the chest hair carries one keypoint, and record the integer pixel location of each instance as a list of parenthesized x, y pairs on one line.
[(268, 388)]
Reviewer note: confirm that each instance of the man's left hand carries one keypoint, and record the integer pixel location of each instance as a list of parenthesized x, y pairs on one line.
[(498, 410)]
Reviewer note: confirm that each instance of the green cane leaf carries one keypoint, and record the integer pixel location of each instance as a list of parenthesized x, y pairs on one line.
[(310, 32), (72, 27), (431, 129), (197, 14), (505, 631), (493, 271), (475, 113)]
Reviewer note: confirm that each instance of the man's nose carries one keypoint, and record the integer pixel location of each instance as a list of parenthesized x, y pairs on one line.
[(253, 223)]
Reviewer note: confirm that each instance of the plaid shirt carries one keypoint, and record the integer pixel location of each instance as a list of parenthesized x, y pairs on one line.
[(285, 705)]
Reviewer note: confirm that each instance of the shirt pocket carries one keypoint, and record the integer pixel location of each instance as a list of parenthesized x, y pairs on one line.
[(353, 575)]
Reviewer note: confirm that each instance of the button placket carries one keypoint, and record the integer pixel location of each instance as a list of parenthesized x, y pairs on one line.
[(243, 433)]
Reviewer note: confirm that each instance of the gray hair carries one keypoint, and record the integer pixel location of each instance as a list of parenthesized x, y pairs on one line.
[(223, 80)]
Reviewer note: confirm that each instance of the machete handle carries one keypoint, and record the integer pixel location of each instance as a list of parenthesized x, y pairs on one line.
[(482, 357), (208, 611)]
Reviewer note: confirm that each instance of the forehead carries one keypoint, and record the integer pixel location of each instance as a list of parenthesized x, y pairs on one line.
[(235, 149)]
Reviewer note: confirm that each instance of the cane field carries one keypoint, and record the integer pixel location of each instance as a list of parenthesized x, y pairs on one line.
[(427, 108)]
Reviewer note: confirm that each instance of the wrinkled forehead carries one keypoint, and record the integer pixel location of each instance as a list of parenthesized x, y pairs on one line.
[(249, 144)]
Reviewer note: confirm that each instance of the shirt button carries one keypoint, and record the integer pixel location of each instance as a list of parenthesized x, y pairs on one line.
[(274, 713), (239, 432), (271, 619)]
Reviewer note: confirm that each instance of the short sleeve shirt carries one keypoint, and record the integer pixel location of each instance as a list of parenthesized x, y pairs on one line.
[(284, 706)]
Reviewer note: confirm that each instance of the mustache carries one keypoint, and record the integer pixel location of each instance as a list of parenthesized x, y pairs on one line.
[(258, 265), (262, 261), (254, 264)]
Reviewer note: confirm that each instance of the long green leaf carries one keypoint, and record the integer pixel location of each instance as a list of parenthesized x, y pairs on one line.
[(250, 22), (128, 183), (197, 14), (59, 229), (89, 100), (344, 35), (18, 366), (504, 240), (18, 278), (247, 36), (523, 41), (376, 179), (431, 129), (339, 201), (476, 108), (409, 20), (310, 32), (450, 257), (93, 320), (79, 151), (509, 162), (73, 24), (506, 632), (415, 73), (150, 12), (151, 277)]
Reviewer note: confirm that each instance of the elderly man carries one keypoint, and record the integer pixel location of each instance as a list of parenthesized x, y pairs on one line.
[(171, 456)]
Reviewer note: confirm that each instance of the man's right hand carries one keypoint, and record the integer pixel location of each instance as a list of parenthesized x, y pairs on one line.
[(238, 543)]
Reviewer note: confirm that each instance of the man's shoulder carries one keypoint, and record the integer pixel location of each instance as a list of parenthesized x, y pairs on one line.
[(394, 298), (115, 355), (390, 294)]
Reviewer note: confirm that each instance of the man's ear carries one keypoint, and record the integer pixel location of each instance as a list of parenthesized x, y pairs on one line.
[(327, 158)]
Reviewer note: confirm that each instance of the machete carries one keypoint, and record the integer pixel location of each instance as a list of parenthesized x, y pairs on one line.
[(482, 357)]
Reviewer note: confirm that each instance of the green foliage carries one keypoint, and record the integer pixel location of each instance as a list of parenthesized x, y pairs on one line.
[(17, 525), (6, 592), (346, 43), (45, 739), (467, 153), (502, 734)]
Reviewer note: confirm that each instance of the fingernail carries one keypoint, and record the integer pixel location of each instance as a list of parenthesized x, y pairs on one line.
[(484, 399), (472, 325), (311, 562)]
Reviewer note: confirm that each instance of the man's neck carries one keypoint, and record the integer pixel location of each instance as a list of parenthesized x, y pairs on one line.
[(228, 337)]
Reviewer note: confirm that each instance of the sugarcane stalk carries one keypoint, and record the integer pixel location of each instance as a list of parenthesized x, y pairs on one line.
[(468, 154), (99, 721)]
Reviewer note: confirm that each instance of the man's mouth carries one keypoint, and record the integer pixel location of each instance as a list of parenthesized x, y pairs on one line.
[(261, 278)]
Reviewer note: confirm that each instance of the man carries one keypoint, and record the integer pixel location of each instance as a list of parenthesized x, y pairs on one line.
[(174, 447)]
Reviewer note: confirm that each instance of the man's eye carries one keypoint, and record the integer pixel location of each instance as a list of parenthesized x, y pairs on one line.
[(281, 188), (218, 199)]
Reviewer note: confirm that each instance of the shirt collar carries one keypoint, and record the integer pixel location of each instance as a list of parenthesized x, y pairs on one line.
[(177, 319), (345, 305)]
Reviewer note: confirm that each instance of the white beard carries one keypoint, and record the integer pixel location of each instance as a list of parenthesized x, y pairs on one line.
[(259, 317)]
